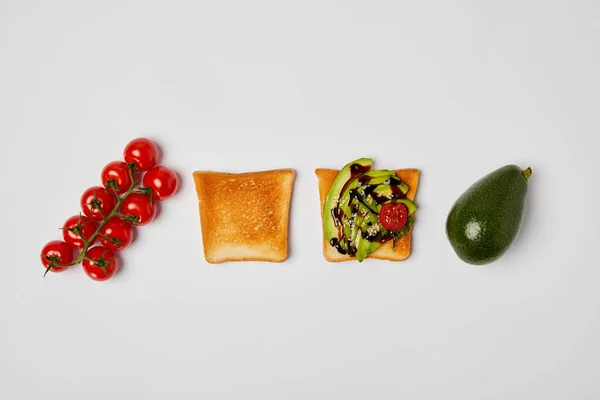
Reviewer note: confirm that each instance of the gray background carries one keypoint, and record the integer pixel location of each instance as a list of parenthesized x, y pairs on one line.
[(456, 89)]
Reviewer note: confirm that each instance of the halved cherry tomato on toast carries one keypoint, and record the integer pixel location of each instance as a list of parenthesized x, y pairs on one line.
[(393, 216)]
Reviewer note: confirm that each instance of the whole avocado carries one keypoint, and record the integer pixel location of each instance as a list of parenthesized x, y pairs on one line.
[(486, 218)]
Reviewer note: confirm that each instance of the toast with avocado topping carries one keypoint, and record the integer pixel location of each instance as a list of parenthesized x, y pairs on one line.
[(244, 217), (357, 203)]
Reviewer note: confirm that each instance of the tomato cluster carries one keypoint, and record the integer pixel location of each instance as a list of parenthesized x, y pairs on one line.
[(127, 198)]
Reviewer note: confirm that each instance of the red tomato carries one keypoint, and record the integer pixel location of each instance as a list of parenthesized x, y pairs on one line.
[(137, 208), (163, 181), (56, 251), (97, 202), (116, 234), (103, 265), (77, 229), (393, 216), (116, 175), (142, 152)]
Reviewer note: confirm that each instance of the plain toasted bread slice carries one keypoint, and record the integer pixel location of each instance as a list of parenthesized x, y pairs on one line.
[(244, 217), (385, 252)]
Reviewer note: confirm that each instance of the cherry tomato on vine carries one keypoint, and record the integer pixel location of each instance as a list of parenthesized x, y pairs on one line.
[(142, 152), (115, 175), (163, 181), (101, 263), (393, 216), (116, 234), (78, 228), (56, 251), (138, 209), (97, 202)]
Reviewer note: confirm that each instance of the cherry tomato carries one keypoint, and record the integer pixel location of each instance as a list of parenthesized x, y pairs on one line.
[(116, 175), (116, 234), (56, 251), (103, 266), (142, 152), (97, 202), (393, 216), (138, 209), (163, 181), (77, 229)]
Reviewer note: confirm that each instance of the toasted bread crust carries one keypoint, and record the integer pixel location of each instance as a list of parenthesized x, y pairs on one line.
[(244, 217), (385, 252)]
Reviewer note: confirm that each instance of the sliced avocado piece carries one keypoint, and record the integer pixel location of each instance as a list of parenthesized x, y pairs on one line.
[(410, 206), (393, 180), (356, 232), (332, 224), (383, 192), (379, 177), (363, 180), (363, 246)]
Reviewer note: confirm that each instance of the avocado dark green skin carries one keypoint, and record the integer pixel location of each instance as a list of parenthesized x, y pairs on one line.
[(484, 221)]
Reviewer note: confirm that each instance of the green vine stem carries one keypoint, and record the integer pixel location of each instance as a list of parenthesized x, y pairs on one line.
[(92, 239)]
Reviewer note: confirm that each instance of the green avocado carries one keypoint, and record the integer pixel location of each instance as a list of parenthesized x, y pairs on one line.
[(485, 219), (332, 224)]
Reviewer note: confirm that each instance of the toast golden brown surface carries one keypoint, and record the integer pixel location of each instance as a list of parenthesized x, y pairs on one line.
[(244, 217), (385, 252)]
